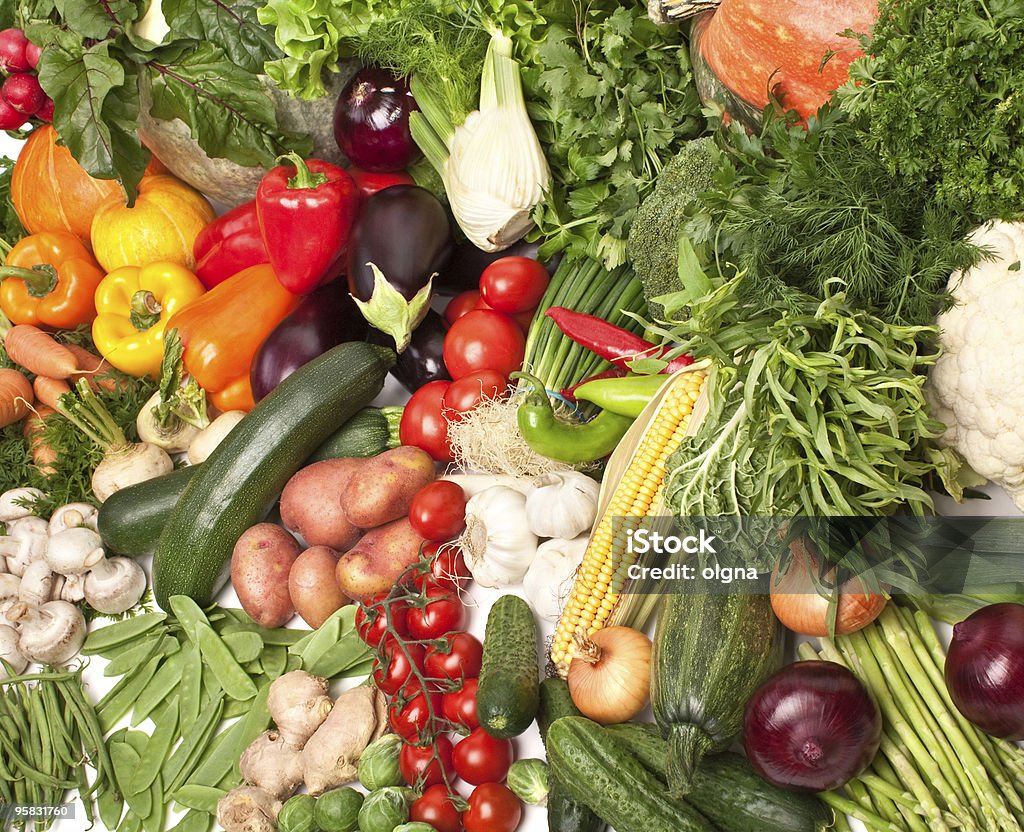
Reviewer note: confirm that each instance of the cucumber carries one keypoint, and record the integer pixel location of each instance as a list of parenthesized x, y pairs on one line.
[(369, 432), (711, 652), (238, 484), (130, 520), (597, 770), (564, 813), (727, 790), (509, 692)]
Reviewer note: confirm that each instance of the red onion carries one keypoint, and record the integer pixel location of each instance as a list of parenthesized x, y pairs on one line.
[(985, 670), (371, 121), (811, 727)]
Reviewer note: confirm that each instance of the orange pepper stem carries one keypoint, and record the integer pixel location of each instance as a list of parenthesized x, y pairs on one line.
[(304, 177), (39, 280), (145, 310)]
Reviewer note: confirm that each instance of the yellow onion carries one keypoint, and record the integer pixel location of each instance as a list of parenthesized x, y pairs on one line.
[(610, 674)]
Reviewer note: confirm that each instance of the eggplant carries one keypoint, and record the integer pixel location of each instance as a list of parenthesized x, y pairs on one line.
[(423, 360), (462, 274), (405, 233), (325, 318)]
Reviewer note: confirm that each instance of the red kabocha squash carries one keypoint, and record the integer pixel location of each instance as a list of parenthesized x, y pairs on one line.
[(742, 50)]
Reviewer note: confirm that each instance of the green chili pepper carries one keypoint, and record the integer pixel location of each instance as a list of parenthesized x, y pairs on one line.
[(562, 441), (627, 396)]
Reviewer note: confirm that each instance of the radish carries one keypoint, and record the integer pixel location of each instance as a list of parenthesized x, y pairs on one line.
[(45, 113), (10, 119), (12, 51), (32, 53), (22, 91)]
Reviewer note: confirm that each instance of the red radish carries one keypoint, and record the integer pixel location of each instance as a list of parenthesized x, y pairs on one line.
[(45, 113), (32, 53), (22, 91), (10, 119), (12, 51)]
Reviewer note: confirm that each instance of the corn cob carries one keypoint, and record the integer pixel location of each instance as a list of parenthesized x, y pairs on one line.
[(638, 494)]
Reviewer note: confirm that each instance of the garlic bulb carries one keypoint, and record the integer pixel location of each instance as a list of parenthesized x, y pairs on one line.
[(548, 582), (562, 504), (497, 544)]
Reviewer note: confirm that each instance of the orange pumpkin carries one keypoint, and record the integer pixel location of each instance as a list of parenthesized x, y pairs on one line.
[(52, 192), (162, 226)]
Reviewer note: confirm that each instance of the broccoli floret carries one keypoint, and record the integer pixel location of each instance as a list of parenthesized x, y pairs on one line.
[(654, 236)]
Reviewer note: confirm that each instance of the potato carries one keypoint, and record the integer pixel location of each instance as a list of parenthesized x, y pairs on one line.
[(376, 561), (311, 503), (313, 586), (383, 488), (261, 561)]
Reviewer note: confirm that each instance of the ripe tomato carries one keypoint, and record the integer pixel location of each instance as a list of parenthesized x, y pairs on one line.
[(461, 661), (447, 566), (460, 705), (438, 511), (394, 669), (481, 758), (423, 423), (460, 305), (368, 182), (372, 621), (412, 721), (442, 614), (513, 284), (423, 766), (466, 394), (523, 319), (437, 808), (492, 808), (483, 340)]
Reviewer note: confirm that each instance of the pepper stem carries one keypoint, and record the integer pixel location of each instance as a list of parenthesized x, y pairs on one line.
[(304, 177), (539, 393), (145, 310), (39, 280)]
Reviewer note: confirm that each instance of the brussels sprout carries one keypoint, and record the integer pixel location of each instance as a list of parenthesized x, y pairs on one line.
[(415, 827), (338, 810), (297, 815), (385, 809), (378, 764), (528, 780)]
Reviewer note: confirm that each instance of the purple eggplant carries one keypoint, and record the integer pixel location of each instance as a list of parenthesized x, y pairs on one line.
[(423, 360), (324, 319), (405, 233)]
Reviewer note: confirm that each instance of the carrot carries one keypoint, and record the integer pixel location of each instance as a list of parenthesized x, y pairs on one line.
[(49, 390), (89, 365), (37, 352), (42, 454), (15, 397)]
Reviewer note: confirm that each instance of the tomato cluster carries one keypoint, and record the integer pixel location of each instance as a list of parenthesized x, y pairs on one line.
[(485, 344), (21, 96), (427, 665)]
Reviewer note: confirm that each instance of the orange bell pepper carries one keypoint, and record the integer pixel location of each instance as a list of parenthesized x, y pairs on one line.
[(49, 280), (222, 330)]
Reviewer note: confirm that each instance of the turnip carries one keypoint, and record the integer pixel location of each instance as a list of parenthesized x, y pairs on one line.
[(22, 91), (13, 45)]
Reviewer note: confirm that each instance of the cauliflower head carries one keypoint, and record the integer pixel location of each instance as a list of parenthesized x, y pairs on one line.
[(977, 386)]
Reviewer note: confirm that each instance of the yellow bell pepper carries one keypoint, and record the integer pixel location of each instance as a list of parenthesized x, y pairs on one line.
[(133, 306)]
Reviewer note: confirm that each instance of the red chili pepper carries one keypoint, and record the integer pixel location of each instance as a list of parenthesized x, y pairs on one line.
[(305, 211), (228, 245), (612, 343), (569, 393)]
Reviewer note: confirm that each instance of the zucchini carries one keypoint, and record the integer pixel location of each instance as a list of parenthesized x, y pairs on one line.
[(564, 813), (509, 692), (597, 770), (711, 652), (239, 483), (727, 790), (369, 432), (130, 520)]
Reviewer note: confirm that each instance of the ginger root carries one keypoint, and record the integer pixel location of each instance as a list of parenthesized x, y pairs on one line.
[(330, 756), (298, 704), (273, 765), (248, 809)]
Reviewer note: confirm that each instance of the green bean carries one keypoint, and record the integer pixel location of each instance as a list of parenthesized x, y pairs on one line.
[(167, 646), (123, 632), (154, 822), (245, 647), (191, 687), (162, 739), (90, 731), (233, 680), (166, 683), (203, 798), (119, 701), (280, 637)]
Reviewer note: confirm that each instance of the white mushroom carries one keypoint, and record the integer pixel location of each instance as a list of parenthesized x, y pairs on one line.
[(24, 542), (50, 634), (9, 651), (74, 551), (36, 584), (10, 586), (114, 585), (11, 503), (72, 516), (72, 588)]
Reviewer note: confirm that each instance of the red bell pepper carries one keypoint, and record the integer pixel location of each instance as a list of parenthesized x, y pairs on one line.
[(370, 183), (612, 343), (305, 211), (228, 245)]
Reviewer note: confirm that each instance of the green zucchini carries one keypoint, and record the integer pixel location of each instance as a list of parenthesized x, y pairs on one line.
[(711, 652), (597, 770), (509, 692), (564, 813), (369, 432), (727, 790), (239, 483), (130, 520)]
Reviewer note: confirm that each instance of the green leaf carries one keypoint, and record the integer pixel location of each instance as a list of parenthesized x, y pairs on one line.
[(92, 19), (232, 26)]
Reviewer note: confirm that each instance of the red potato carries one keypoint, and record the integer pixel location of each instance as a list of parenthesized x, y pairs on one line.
[(311, 504), (313, 586), (261, 562), (383, 488), (377, 561)]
